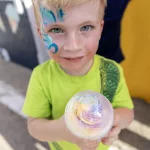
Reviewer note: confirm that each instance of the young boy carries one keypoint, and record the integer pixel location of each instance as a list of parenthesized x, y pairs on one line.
[(71, 30)]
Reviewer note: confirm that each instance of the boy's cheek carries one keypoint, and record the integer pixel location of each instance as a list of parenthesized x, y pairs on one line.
[(53, 56), (53, 50), (92, 47)]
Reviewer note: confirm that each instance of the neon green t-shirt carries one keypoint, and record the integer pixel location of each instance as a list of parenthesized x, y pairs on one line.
[(50, 88)]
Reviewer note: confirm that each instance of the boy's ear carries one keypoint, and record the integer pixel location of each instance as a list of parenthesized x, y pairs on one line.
[(39, 32), (102, 25), (101, 28)]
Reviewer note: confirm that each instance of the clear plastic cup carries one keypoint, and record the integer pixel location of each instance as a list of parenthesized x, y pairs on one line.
[(89, 115)]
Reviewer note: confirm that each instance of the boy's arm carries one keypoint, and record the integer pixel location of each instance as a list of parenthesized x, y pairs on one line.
[(124, 116), (45, 130), (55, 130)]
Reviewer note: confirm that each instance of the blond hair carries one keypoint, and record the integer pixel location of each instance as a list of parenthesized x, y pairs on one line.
[(59, 4)]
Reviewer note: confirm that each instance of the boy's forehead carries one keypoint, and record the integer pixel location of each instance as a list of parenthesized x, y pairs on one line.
[(50, 6), (87, 10)]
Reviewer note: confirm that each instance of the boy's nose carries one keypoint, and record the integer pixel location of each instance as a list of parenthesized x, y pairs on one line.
[(72, 43)]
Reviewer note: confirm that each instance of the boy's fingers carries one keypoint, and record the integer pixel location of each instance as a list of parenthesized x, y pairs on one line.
[(89, 149), (91, 145), (114, 131), (88, 144), (86, 148), (109, 141)]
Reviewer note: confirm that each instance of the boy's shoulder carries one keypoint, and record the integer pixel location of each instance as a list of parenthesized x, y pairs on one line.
[(110, 68), (108, 63), (107, 59), (111, 75), (43, 71)]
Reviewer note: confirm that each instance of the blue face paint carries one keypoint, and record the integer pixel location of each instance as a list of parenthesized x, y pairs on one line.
[(48, 42), (47, 16), (53, 45), (47, 39), (60, 15)]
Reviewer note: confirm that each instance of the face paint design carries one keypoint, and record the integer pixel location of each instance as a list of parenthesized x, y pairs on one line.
[(48, 42), (47, 16), (60, 15)]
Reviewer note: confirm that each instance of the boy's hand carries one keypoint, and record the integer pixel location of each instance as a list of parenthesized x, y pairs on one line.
[(114, 132), (81, 143)]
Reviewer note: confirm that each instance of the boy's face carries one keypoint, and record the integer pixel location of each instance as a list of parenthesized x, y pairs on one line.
[(74, 34)]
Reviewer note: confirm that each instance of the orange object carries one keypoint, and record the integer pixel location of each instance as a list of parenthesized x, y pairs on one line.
[(135, 41)]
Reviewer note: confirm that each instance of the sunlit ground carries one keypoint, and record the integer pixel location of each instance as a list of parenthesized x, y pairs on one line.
[(4, 145)]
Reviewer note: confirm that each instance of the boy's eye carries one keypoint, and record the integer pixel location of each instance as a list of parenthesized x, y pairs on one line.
[(86, 28), (56, 30)]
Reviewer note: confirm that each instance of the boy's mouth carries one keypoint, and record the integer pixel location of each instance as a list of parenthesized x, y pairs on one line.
[(73, 58)]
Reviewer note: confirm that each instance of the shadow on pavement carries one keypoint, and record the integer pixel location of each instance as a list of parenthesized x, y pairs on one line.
[(14, 129), (134, 140), (142, 111)]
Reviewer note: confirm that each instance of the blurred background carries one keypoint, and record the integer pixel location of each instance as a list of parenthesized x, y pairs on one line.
[(21, 50)]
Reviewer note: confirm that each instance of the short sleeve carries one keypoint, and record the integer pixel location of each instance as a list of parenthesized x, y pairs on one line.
[(36, 104), (122, 97)]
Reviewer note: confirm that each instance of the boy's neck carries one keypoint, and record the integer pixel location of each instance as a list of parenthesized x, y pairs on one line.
[(81, 72)]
